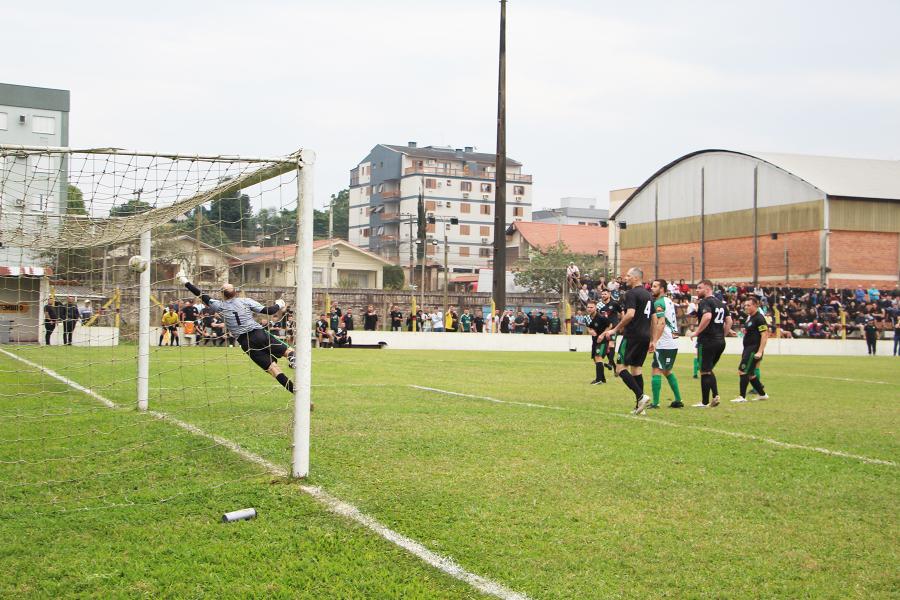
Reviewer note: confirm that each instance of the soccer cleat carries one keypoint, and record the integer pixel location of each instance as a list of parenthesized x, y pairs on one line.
[(700, 405), (739, 399), (597, 382), (653, 406), (642, 404), (676, 404), (292, 360), (714, 402), (763, 397)]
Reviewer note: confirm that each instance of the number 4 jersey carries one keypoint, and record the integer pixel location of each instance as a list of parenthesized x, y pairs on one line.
[(641, 301)]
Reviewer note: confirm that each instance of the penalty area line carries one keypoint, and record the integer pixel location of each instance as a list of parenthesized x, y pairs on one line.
[(333, 504), (734, 434)]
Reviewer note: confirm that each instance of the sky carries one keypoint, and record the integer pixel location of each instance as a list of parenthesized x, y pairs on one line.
[(600, 94)]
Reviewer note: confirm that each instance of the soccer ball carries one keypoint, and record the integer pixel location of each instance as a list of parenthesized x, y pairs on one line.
[(138, 264)]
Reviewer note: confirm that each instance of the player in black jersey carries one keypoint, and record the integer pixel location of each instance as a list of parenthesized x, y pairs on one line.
[(597, 325), (613, 312), (633, 348), (714, 321), (756, 334)]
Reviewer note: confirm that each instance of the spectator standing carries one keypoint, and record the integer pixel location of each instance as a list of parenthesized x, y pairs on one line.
[(465, 321), (519, 324), (896, 333), (396, 318), (50, 320), (554, 325), (348, 320), (860, 294), (452, 320), (584, 295), (437, 321), (870, 330), (426, 321), (478, 321), (874, 295), (70, 315), (507, 323), (334, 317), (370, 319), (169, 323)]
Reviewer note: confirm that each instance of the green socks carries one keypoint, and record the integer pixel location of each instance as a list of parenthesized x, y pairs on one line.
[(673, 383), (656, 383), (756, 372), (696, 366)]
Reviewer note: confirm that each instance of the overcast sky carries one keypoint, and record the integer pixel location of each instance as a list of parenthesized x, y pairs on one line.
[(600, 94)]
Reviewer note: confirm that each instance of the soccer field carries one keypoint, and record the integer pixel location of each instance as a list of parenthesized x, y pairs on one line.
[(509, 463)]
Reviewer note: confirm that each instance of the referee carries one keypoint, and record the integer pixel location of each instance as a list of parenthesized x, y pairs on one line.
[(263, 348)]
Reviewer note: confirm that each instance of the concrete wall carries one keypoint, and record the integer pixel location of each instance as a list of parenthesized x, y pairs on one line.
[(582, 344)]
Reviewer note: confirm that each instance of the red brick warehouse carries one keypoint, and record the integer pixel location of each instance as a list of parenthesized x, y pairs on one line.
[(771, 218)]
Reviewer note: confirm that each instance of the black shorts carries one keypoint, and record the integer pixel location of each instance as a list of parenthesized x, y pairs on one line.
[(709, 354), (633, 351), (262, 347), (598, 350), (749, 361)]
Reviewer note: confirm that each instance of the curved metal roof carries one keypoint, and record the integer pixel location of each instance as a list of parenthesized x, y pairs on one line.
[(835, 176)]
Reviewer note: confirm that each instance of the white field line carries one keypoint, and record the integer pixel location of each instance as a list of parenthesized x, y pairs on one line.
[(734, 434), (844, 379), (335, 505)]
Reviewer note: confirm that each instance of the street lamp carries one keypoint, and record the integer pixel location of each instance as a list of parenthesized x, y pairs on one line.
[(432, 219)]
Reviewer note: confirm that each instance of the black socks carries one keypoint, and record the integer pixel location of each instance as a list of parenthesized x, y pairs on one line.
[(632, 383), (287, 383), (704, 386), (758, 386), (745, 380), (599, 370), (640, 382)]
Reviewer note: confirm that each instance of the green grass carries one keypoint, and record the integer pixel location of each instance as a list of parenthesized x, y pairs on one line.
[(575, 503)]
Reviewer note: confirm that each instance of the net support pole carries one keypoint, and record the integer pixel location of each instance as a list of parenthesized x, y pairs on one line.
[(303, 314), (143, 379)]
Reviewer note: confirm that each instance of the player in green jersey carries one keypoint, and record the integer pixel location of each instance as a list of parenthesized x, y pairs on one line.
[(663, 343)]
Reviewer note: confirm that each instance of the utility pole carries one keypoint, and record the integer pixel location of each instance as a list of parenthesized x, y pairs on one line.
[(198, 217), (499, 265), (412, 251), (446, 273), (755, 227), (702, 223), (330, 244), (787, 266)]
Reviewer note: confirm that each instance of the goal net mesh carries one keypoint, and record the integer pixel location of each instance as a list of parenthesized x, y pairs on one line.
[(70, 222)]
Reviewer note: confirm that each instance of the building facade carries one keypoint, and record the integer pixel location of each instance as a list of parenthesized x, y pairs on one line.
[(573, 211), (455, 183), (31, 187), (774, 218)]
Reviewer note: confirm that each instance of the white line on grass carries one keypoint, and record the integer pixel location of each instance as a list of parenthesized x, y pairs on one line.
[(335, 505), (844, 379), (734, 434)]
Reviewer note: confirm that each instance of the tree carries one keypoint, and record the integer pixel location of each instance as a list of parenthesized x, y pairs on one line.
[(74, 201), (392, 276), (132, 207), (233, 215), (546, 271), (341, 206), (71, 263)]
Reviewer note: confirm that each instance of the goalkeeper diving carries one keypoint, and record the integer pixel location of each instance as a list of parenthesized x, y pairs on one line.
[(263, 348)]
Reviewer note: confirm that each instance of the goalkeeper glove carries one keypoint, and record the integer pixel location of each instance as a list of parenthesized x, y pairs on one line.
[(180, 276), (280, 304)]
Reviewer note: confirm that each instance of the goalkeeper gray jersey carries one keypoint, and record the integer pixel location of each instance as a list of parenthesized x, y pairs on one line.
[(237, 314)]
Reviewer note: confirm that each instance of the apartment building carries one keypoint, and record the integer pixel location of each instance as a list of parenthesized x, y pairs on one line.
[(455, 182), (573, 211)]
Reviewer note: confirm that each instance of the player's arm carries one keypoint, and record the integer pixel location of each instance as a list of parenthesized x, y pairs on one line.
[(269, 310), (704, 323), (192, 288), (659, 324), (729, 323), (763, 339), (626, 319)]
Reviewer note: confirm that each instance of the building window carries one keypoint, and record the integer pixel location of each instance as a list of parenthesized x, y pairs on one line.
[(463, 230), (518, 211), (465, 186), (582, 223), (518, 190), (449, 183), (485, 209), (429, 227), (463, 250), (268, 272), (430, 184), (45, 125), (484, 252), (380, 231), (430, 205), (317, 277), (4, 120), (485, 230), (485, 188), (594, 224), (465, 207), (368, 190), (430, 249), (365, 232)]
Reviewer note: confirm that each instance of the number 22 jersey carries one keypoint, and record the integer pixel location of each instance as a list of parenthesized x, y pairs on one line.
[(715, 331)]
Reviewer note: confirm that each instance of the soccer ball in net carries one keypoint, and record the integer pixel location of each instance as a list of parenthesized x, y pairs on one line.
[(138, 264)]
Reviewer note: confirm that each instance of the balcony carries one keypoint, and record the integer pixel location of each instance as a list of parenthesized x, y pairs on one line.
[(426, 170), (388, 194), (390, 217)]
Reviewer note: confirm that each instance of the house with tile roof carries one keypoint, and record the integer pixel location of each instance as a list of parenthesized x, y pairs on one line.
[(524, 238)]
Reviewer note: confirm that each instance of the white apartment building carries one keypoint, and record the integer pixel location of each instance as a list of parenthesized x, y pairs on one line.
[(460, 183)]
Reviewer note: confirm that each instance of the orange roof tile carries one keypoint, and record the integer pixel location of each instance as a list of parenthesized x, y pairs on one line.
[(580, 239)]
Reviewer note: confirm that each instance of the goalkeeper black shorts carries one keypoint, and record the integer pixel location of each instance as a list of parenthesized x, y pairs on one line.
[(262, 347)]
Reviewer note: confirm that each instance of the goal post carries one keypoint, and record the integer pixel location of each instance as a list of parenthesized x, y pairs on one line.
[(75, 219)]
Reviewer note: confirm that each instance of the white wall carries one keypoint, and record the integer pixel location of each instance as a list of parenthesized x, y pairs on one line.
[(85, 336), (582, 343)]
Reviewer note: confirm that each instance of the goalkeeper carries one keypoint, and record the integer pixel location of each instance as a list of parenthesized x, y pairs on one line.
[(262, 348)]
